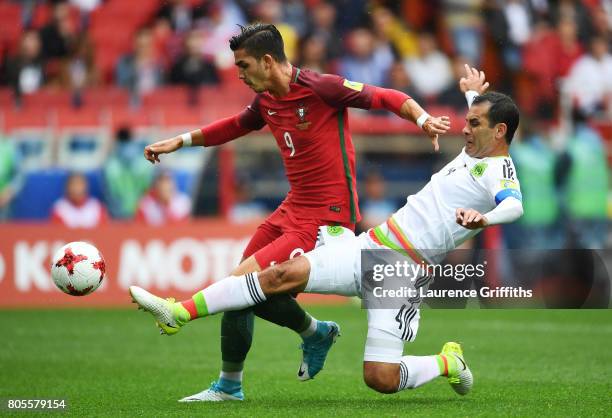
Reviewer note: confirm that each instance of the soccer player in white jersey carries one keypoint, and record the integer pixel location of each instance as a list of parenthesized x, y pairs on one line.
[(477, 189)]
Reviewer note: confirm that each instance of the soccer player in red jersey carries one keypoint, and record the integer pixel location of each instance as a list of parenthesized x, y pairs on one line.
[(307, 115)]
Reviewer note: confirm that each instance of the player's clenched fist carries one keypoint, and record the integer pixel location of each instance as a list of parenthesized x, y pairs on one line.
[(151, 152), (470, 218), (436, 126)]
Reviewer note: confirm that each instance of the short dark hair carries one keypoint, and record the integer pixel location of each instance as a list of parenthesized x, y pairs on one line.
[(502, 110), (260, 39)]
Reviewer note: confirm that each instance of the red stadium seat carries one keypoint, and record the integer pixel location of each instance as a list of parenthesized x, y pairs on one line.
[(10, 25), (47, 99), (182, 116), (114, 20), (135, 118), (169, 96), (106, 60), (19, 119), (101, 97), (132, 7), (110, 45), (10, 12), (42, 15), (7, 98), (224, 101), (84, 117)]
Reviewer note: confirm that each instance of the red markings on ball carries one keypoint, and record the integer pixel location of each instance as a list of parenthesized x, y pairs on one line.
[(75, 292), (100, 265), (69, 260)]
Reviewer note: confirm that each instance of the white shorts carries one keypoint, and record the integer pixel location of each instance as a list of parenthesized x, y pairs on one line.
[(335, 268)]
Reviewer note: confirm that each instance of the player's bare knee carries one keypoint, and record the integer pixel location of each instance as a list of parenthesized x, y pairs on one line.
[(271, 279), (380, 378), (290, 276)]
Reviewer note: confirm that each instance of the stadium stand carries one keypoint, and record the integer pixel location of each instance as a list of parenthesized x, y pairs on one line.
[(62, 126)]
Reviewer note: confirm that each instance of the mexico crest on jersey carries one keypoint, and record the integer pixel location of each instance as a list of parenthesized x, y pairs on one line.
[(478, 169), (301, 113)]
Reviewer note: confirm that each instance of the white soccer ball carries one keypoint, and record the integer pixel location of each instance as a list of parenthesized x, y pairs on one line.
[(78, 268)]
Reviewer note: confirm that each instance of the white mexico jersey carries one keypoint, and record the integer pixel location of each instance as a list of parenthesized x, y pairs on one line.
[(427, 220)]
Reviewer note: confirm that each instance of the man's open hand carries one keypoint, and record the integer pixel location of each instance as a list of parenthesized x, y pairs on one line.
[(473, 80)]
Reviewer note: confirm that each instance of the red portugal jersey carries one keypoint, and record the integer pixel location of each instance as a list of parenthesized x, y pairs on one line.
[(310, 125)]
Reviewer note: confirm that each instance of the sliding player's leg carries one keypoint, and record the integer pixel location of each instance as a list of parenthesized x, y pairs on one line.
[(386, 370), (232, 293), (337, 270)]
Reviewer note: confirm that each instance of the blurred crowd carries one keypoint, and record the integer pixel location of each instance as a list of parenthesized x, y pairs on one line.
[(544, 53), (526, 46)]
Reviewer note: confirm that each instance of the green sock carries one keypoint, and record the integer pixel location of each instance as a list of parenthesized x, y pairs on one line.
[(192, 308), (443, 364)]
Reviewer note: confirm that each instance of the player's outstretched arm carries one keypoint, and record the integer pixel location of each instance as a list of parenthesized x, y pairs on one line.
[(217, 133), (153, 151)]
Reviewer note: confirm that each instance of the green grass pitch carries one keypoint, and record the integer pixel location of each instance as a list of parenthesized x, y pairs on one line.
[(114, 363)]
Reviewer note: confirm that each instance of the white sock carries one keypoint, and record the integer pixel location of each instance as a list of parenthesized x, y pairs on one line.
[(415, 371), (234, 376), (233, 293), (312, 328)]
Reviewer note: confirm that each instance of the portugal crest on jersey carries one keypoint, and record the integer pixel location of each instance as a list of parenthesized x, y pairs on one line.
[(301, 113)]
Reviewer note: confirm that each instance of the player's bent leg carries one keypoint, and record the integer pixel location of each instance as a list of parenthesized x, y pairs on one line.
[(386, 370), (382, 377), (229, 294), (388, 330), (410, 372)]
